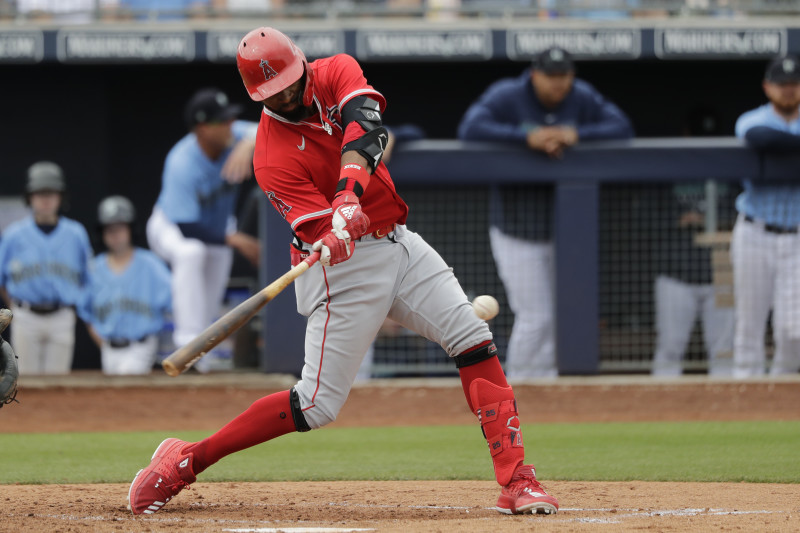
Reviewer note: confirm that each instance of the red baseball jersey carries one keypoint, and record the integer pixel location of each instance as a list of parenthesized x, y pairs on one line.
[(297, 164)]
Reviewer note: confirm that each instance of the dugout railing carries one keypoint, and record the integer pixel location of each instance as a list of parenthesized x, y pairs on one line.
[(614, 209)]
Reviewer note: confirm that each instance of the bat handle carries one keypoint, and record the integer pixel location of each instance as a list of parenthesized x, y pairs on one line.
[(311, 259), (187, 355)]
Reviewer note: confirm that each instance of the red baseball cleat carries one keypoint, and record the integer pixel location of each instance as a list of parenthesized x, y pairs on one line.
[(524, 495), (167, 474)]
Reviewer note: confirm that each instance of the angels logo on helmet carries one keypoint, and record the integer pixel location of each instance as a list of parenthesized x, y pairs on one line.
[(269, 72)]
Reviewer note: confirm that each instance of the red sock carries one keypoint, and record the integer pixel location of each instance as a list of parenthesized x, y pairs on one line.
[(488, 369), (268, 418)]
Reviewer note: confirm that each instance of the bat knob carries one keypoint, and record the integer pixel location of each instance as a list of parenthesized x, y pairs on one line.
[(170, 368)]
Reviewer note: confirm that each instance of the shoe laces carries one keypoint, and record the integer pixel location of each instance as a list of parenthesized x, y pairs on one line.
[(178, 486), (526, 479)]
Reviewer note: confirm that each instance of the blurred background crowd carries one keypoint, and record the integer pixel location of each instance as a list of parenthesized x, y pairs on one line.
[(77, 11)]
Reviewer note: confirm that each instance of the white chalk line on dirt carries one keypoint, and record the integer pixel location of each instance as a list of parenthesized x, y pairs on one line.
[(298, 530), (645, 513)]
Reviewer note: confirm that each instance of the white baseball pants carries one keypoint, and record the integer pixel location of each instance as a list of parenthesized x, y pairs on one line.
[(200, 274), (346, 304), (766, 275), (136, 358), (527, 272), (678, 305), (44, 343)]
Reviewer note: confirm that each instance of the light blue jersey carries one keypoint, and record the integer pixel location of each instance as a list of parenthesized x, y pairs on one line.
[(130, 304), (776, 203), (45, 268), (192, 189)]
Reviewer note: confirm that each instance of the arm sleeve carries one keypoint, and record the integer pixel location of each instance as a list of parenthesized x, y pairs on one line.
[(772, 140), (483, 122), (608, 121)]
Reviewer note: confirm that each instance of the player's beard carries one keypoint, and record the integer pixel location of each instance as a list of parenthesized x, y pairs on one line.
[(299, 112), (785, 106)]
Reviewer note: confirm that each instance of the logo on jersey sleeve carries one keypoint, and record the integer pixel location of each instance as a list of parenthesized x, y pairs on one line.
[(330, 114), (269, 72), (282, 207)]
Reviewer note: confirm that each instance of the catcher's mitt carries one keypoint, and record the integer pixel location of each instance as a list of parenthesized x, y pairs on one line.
[(8, 364)]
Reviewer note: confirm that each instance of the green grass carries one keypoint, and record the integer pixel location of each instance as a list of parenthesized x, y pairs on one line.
[(696, 451)]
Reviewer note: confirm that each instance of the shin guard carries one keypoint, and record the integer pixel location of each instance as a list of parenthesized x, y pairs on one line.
[(496, 409)]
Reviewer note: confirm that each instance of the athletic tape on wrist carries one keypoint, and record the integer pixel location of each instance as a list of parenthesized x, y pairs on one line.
[(353, 177)]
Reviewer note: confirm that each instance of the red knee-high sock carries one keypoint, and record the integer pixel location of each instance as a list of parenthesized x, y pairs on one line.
[(268, 418), (488, 369)]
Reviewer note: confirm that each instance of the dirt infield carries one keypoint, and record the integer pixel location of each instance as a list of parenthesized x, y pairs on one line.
[(406, 507), (93, 403)]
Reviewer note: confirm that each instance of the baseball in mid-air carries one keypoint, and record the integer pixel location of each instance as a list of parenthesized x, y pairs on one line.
[(486, 307)]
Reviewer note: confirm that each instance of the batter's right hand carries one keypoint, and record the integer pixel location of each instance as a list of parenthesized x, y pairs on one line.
[(334, 248)]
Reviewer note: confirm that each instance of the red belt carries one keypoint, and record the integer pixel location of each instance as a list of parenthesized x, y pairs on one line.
[(382, 232)]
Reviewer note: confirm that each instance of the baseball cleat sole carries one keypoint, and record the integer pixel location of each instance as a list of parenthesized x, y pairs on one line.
[(534, 508)]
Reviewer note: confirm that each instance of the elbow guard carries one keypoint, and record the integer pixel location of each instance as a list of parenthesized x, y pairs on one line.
[(370, 146), (364, 133)]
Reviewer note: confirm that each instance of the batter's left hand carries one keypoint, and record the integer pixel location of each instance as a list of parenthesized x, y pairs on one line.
[(334, 248), (239, 165)]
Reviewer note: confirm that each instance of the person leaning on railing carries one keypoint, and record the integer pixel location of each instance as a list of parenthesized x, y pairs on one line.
[(765, 249), (548, 110)]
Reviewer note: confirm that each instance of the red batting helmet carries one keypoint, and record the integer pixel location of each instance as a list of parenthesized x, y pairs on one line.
[(269, 62)]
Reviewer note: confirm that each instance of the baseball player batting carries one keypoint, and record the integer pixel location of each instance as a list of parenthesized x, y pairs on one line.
[(318, 159)]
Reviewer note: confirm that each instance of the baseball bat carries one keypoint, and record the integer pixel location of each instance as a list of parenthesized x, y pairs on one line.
[(184, 357)]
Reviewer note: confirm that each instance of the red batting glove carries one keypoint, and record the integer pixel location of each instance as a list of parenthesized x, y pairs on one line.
[(334, 248), (348, 217)]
